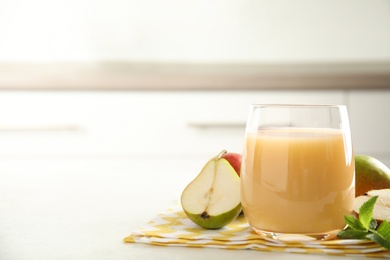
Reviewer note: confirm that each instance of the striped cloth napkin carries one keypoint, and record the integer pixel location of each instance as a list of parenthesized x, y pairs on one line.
[(173, 228)]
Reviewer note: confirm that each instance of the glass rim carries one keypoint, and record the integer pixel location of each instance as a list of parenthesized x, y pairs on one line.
[(286, 105)]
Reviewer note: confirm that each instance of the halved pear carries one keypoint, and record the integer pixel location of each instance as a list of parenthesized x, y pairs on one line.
[(212, 199), (381, 210)]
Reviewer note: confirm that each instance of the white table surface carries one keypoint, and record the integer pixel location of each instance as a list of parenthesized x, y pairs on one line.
[(56, 208)]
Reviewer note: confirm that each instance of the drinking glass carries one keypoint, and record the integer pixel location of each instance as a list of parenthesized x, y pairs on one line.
[(297, 173)]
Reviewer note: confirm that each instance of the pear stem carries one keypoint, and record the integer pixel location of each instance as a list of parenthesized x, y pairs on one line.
[(219, 156)]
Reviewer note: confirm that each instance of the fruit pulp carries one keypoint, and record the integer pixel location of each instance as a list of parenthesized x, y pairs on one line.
[(297, 180)]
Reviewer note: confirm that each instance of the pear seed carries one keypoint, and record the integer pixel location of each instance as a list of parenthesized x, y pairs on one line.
[(205, 215)]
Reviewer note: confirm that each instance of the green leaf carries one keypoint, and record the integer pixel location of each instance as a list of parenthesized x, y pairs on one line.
[(384, 230), (354, 223), (353, 234), (366, 227), (377, 238), (381, 235), (365, 212)]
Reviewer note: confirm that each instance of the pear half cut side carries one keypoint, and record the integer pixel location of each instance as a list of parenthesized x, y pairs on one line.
[(212, 199), (381, 210)]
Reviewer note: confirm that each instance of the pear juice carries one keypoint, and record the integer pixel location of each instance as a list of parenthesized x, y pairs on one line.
[(297, 180)]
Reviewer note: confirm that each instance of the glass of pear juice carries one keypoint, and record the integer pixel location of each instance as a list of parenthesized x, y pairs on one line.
[(298, 171)]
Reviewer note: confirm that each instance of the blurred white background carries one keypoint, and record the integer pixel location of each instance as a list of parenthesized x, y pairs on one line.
[(77, 156), (194, 31), (123, 32)]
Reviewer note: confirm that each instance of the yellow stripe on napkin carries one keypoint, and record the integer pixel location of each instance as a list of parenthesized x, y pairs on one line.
[(174, 228)]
